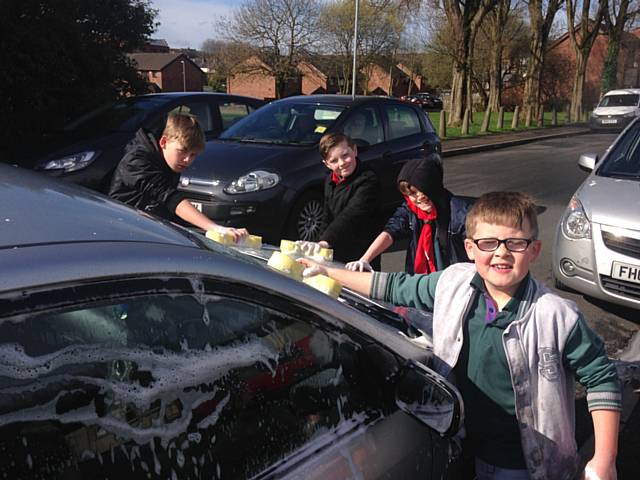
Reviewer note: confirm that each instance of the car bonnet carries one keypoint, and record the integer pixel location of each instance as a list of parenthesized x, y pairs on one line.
[(611, 201)]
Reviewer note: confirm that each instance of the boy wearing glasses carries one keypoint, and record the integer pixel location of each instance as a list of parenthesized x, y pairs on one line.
[(513, 346)]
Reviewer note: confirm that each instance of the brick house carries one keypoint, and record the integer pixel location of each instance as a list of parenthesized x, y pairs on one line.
[(169, 72), (557, 76), (254, 78), (317, 77), (393, 81)]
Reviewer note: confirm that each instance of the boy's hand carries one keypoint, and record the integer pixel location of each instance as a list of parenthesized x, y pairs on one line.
[(236, 233), (311, 268), (596, 470), (311, 248), (359, 266)]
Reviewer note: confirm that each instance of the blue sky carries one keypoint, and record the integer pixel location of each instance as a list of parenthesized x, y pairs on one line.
[(188, 23)]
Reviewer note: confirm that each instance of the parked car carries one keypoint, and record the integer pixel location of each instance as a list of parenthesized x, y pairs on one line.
[(265, 173), (87, 150), (426, 100), (616, 110), (597, 243), (134, 348)]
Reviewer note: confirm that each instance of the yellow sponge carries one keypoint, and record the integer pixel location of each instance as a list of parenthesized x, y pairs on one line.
[(325, 255), (220, 237), (251, 241), (324, 284), (288, 246), (286, 264)]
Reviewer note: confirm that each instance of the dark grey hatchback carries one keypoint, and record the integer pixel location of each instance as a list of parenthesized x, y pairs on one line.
[(265, 172), (132, 348), (87, 150)]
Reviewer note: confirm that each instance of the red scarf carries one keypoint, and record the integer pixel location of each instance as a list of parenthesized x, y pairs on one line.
[(336, 179), (425, 261)]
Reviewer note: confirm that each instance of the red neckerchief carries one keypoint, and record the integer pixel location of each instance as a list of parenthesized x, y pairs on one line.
[(425, 261), (336, 179)]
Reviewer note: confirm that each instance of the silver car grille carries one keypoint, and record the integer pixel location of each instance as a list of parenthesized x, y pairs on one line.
[(620, 287), (625, 245)]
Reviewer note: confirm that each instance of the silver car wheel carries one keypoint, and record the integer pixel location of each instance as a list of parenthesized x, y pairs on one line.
[(310, 224)]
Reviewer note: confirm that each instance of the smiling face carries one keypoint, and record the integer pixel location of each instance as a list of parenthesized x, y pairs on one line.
[(502, 270), (341, 159), (176, 155), (419, 199)]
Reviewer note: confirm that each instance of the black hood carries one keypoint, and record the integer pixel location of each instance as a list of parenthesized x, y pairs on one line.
[(425, 174)]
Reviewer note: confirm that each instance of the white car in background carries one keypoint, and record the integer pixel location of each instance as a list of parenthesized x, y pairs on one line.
[(597, 244), (616, 110)]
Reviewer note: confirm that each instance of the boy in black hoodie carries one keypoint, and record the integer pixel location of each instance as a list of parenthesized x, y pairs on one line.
[(147, 176), (431, 217)]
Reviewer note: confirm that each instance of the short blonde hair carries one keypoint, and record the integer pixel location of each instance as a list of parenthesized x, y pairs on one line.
[(186, 130), (503, 208)]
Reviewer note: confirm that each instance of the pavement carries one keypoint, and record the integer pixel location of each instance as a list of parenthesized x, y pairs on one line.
[(491, 141), (628, 363)]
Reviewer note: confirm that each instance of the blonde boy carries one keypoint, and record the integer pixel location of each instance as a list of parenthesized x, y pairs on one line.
[(513, 347), (147, 176)]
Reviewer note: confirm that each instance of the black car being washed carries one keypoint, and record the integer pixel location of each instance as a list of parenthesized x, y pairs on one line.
[(265, 172), (87, 150), (131, 348)]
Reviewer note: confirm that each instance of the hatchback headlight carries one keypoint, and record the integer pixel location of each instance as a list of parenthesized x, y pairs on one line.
[(252, 182), (631, 114), (71, 163), (575, 223)]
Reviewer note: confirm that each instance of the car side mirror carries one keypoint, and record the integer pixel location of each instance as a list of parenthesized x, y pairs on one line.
[(587, 162), (429, 398)]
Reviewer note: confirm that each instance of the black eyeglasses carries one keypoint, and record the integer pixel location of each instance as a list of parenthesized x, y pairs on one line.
[(512, 244)]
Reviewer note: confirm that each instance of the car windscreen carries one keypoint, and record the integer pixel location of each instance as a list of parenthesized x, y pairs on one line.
[(285, 123), (623, 161), (619, 101), (122, 116)]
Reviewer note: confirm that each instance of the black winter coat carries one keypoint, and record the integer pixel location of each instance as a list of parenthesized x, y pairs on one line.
[(351, 213), (449, 231), (144, 180)]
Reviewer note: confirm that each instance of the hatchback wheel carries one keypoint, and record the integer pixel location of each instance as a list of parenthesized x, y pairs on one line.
[(306, 221)]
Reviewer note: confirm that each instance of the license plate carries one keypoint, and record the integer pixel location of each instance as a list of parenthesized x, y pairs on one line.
[(197, 205), (611, 120), (625, 271)]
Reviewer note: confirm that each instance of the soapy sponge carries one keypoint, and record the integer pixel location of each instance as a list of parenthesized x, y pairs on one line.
[(325, 255), (286, 264), (324, 284), (250, 241), (291, 248)]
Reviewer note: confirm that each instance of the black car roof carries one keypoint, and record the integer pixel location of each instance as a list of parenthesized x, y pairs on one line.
[(38, 209), (171, 95), (337, 99)]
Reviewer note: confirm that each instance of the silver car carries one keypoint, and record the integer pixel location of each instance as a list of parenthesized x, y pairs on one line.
[(132, 348), (597, 245)]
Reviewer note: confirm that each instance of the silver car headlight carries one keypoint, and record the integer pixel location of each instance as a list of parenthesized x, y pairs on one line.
[(631, 114), (575, 223), (71, 163), (252, 182)]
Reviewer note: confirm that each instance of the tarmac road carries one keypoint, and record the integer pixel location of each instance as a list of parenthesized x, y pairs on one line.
[(547, 169)]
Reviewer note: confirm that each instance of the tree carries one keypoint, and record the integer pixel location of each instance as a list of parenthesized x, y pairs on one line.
[(541, 21), (464, 18), (60, 59), (221, 57), (582, 37), (283, 30), (379, 30), (615, 19)]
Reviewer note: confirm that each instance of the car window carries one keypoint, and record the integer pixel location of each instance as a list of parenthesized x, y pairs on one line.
[(619, 101), (201, 110), (364, 124), (231, 112), (285, 123), (624, 159), (173, 386), (402, 121)]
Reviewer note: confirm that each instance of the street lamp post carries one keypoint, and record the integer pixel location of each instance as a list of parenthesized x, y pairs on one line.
[(184, 80), (355, 49)]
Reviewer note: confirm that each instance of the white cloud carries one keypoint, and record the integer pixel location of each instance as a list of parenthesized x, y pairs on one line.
[(188, 23)]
